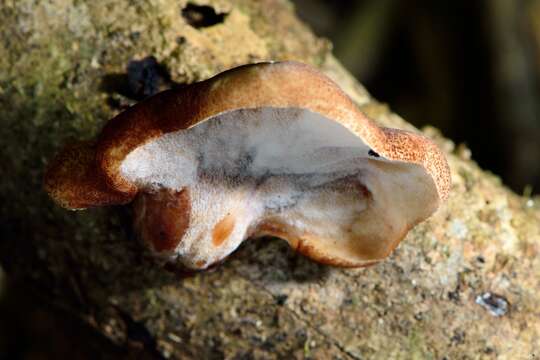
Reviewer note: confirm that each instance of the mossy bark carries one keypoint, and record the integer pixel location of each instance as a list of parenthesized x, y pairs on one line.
[(61, 74)]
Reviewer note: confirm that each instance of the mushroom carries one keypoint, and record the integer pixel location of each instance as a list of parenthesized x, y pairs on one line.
[(269, 149)]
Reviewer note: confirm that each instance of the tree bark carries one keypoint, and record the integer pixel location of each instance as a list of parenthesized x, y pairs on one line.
[(464, 284)]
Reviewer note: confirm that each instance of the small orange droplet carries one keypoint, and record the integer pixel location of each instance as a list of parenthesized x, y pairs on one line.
[(223, 229)]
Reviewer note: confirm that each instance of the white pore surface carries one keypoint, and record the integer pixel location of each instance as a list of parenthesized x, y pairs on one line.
[(256, 164)]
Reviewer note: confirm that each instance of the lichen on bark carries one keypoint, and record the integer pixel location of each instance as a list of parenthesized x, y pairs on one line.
[(62, 71)]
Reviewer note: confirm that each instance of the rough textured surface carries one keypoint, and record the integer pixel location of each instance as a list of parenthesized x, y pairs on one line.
[(62, 75)]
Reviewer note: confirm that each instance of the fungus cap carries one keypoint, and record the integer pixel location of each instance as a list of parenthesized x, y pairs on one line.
[(269, 149)]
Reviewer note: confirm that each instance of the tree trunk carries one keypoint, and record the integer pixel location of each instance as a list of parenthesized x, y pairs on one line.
[(464, 284)]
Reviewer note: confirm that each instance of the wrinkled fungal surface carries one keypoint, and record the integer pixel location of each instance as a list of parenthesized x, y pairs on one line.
[(272, 149)]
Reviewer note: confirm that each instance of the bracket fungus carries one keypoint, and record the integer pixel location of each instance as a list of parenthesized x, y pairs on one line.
[(268, 149)]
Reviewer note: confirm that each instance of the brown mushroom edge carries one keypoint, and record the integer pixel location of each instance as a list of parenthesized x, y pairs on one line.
[(270, 149)]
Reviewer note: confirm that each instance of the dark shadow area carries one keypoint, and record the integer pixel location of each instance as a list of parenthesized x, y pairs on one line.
[(143, 78), (33, 328), (201, 16)]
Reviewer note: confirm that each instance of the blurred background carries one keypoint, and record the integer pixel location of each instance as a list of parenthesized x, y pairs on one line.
[(469, 68)]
